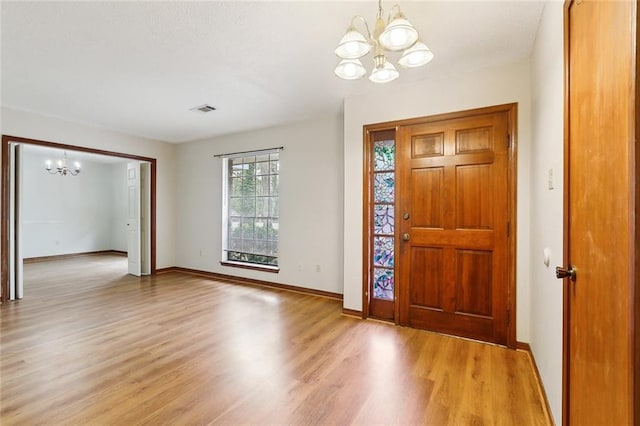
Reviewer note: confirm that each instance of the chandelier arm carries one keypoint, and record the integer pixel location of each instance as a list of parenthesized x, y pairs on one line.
[(61, 167), (364, 21), (395, 6)]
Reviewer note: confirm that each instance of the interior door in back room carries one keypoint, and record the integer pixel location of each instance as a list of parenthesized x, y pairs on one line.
[(133, 219), (138, 218)]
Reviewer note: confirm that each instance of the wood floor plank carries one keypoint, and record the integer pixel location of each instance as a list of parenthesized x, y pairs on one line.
[(90, 344)]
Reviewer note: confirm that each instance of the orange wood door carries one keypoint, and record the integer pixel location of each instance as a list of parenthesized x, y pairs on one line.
[(599, 213), (454, 193)]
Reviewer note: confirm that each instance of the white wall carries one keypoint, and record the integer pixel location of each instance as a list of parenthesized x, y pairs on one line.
[(310, 203), (34, 126), (70, 214), (504, 84), (546, 205)]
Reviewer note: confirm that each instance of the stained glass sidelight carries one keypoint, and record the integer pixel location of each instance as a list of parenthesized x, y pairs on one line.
[(383, 251), (383, 283), (384, 153), (384, 187), (383, 219)]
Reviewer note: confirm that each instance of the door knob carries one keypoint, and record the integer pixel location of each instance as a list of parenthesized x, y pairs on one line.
[(405, 216), (566, 272), (405, 237)]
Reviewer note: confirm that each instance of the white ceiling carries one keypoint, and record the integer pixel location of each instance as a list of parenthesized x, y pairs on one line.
[(137, 67)]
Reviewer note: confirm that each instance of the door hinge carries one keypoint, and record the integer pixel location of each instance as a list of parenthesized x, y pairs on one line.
[(508, 316), (508, 229), (508, 140)]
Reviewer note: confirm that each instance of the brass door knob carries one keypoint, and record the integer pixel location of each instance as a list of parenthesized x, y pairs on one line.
[(569, 272), (406, 237)]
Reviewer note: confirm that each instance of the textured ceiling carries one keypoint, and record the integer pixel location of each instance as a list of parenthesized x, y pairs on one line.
[(137, 67)]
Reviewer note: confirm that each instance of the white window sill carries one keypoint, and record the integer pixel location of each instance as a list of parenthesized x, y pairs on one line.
[(254, 266)]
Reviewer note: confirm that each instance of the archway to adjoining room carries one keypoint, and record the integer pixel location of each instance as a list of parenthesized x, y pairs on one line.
[(142, 169)]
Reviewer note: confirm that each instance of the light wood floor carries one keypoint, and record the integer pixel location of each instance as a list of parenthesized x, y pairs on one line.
[(90, 345)]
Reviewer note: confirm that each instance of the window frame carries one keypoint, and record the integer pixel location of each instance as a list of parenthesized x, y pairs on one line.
[(227, 161)]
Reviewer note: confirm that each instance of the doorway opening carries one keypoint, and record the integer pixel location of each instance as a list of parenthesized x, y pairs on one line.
[(12, 226)]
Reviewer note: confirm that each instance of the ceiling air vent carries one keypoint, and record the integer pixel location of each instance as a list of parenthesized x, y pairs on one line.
[(203, 109)]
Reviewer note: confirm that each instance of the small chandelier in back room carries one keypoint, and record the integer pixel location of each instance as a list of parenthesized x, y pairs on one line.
[(61, 167), (396, 35)]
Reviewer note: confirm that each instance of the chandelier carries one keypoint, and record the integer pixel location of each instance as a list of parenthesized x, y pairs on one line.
[(396, 35), (61, 167)]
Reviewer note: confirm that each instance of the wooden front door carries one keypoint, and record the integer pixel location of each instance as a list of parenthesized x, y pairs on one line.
[(600, 204), (455, 208)]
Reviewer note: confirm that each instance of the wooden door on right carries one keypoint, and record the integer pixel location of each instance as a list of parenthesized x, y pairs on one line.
[(600, 305)]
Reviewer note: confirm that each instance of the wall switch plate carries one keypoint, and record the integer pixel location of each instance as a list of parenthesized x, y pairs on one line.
[(550, 179), (546, 256)]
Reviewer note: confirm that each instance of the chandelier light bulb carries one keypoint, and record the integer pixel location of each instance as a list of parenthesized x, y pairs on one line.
[(416, 56), (399, 34), (384, 71), (353, 45), (350, 69)]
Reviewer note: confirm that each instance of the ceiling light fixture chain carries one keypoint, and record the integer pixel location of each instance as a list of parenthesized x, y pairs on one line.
[(395, 35), (61, 167)]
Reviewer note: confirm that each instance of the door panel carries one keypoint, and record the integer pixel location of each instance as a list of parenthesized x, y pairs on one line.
[(429, 145), (474, 269), (600, 213), (133, 219), (474, 197), (429, 268), (138, 218), (145, 216), (16, 264), (453, 262), (426, 206)]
